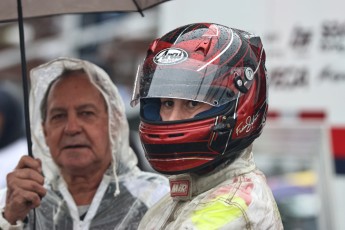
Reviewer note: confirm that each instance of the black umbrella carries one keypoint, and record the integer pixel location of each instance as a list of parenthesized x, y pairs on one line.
[(18, 11)]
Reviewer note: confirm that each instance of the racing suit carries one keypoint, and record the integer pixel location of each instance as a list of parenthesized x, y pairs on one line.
[(235, 196)]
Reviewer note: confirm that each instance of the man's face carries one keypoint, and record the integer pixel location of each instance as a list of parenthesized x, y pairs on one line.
[(76, 126)]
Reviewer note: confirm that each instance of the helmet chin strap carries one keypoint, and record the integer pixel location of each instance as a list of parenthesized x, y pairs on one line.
[(230, 133), (232, 124), (228, 124)]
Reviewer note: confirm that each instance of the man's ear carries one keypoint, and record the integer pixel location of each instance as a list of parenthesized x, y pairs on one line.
[(44, 129)]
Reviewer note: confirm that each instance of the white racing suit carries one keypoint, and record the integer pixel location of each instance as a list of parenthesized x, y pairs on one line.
[(235, 197), (125, 192)]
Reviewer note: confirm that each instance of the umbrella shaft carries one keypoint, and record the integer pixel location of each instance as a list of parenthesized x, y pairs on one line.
[(24, 76)]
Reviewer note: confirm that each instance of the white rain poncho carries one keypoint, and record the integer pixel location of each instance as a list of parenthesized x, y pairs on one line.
[(125, 192), (235, 196)]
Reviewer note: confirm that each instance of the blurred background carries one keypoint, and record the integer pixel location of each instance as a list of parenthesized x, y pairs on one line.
[(302, 148)]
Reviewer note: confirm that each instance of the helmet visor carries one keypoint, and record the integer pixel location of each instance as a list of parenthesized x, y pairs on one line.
[(192, 80)]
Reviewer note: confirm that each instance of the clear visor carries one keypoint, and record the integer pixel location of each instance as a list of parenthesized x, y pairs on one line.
[(203, 82)]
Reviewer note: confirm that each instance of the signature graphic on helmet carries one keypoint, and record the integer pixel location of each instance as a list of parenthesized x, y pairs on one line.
[(249, 124), (170, 56)]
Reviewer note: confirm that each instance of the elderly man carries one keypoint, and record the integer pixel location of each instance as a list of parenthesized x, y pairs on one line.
[(84, 174)]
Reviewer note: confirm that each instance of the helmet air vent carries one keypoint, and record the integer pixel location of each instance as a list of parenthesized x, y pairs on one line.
[(176, 135), (204, 46)]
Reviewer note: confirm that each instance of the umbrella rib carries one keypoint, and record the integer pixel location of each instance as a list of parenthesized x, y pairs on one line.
[(138, 7)]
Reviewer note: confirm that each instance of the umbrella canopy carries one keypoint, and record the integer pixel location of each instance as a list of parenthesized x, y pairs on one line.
[(11, 10), (37, 8)]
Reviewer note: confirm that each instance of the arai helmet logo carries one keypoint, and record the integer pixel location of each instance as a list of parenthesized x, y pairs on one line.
[(170, 56)]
